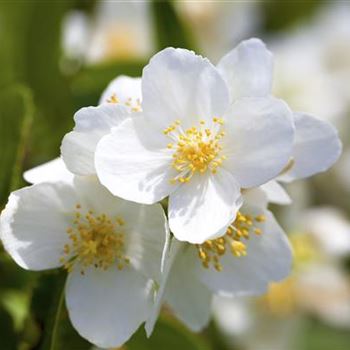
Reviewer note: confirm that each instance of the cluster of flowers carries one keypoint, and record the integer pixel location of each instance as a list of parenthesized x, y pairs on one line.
[(163, 191)]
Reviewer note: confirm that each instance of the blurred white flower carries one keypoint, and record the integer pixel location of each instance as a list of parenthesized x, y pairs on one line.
[(116, 30), (253, 252), (301, 78), (330, 228), (192, 144), (237, 20), (75, 34), (111, 249)]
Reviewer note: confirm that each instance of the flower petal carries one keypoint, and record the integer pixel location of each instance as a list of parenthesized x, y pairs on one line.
[(276, 193), (124, 90), (107, 307), (268, 259), (52, 171), (247, 69), (316, 147), (259, 139), (91, 123), (177, 84), (171, 250), (134, 163), (34, 223), (201, 208), (191, 305)]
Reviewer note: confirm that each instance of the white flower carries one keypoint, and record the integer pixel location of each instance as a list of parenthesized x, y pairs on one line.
[(248, 71), (114, 30), (110, 247), (191, 144), (253, 252), (122, 96), (330, 229)]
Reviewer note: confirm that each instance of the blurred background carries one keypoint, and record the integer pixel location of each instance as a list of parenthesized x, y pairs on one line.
[(58, 56)]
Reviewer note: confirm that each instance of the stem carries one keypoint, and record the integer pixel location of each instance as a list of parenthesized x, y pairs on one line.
[(56, 321)]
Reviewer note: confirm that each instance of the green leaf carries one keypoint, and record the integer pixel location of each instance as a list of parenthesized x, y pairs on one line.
[(317, 336), (169, 29), (274, 13), (30, 39), (16, 113), (49, 312), (168, 334), (88, 84), (7, 333)]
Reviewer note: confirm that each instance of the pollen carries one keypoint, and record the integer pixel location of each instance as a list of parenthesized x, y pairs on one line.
[(195, 150), (133, 103), (234, 241), (95, 240)]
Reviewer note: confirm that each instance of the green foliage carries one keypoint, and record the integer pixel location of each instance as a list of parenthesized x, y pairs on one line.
[(318, 336), (16, 113), (168, 334), (281, 14), (7, 332), (170, 30), (88, 84), (30, 38)]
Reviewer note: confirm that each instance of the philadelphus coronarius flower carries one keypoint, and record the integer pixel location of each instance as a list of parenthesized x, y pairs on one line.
[(253, 252), (110, 248), (195, 144), (248, 71), (214, 141)]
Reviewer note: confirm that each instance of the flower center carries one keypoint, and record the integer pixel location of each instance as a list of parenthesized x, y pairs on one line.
[(133, 103), (196, 149), (95, 240), (211, 251)]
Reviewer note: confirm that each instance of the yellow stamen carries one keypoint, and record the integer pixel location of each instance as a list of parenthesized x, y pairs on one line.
[(95, 240), (196, 150), (211, 251)]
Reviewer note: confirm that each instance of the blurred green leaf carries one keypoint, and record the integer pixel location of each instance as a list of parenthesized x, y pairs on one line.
[(168, 334), (88, 84), (30, 38), (169, 29), (50, 314), (7, 332), (318, 336), (278, 15), (16, 113)]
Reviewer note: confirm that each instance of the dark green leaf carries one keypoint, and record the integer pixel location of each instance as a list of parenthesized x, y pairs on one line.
[(169, 28), (7, 332), (88, 84), (278, 15), (16, 112), (168, 334)]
